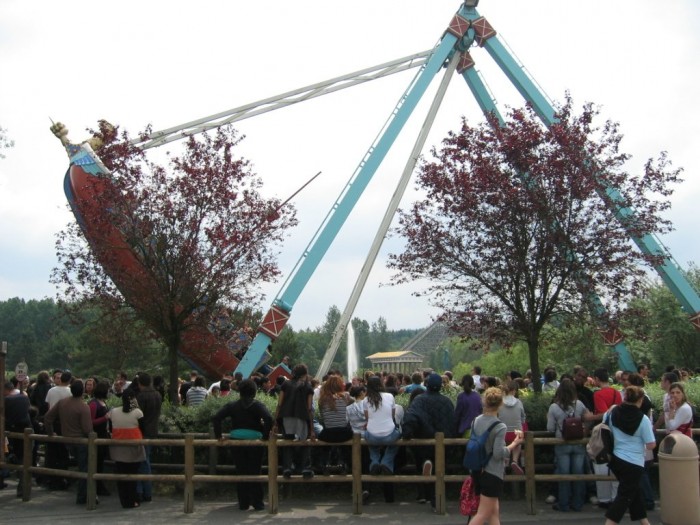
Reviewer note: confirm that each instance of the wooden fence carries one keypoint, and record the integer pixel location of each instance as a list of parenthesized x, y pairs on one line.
[(189, 475)]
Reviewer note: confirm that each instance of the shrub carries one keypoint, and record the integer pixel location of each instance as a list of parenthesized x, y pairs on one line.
[(183, 419)]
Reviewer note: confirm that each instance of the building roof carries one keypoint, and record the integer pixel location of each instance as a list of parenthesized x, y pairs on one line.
[(394, 355)]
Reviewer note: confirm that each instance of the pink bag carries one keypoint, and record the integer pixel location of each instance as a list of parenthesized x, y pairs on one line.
[(468, 498)]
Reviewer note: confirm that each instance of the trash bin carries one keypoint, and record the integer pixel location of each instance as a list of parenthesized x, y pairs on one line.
[(679, 482)]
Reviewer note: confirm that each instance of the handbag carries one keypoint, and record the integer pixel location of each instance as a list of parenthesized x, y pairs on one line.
[(572, 428), (468, 498), (601, 443)]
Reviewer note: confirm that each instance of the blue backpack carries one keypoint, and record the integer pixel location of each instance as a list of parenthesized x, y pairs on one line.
[(476, 457)]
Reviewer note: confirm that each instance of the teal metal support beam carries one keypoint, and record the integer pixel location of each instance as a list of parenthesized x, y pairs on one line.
[(488, 106), (349, 198), (648, 244)]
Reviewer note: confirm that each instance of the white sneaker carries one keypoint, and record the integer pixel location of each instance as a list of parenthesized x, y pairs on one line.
[(593, 500), (550, 499), (428, 468)]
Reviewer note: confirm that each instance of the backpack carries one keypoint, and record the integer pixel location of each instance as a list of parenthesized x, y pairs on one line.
[(468, 498), (601, 443), (572, 427), (475, 456)]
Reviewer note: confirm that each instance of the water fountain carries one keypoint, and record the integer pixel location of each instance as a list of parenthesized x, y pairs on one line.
[(352, 352)]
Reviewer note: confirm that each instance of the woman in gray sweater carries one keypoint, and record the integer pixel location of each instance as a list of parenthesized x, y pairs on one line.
[(569, 458), (489, 482)]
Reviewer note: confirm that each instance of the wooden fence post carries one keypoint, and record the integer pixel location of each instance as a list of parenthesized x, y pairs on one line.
[(91, 469), (273, 491), (213, 455), (189, 473), (530, 493), (440, 504), (356, 461), (26, 463)]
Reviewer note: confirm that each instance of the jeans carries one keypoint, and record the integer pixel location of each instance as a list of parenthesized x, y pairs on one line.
[(570, 460), (145, 488), (645, 484), (81, 455), (375, 448)]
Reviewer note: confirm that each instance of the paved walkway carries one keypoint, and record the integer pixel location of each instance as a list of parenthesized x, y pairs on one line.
[(46, 506)]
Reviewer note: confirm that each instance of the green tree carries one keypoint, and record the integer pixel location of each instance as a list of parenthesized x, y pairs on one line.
[(365, 341), (380, 336), (285, 344), (329, 326), (312, 345), (657, 328), (36, 333), (112, 341)]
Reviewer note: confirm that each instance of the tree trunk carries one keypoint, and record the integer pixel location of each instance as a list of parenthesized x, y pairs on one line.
[(533, 349), (174, 385)]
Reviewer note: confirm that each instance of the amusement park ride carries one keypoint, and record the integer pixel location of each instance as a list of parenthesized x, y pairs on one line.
[(87, 177)]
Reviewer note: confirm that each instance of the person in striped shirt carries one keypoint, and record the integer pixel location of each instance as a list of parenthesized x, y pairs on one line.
[(197, 394), (333, 402)]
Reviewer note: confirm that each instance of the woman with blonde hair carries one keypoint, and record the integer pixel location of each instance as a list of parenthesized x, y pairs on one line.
[(489, 482), (512, 413)]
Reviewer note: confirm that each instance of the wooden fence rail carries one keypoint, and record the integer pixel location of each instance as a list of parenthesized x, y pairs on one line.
[(189, 475)]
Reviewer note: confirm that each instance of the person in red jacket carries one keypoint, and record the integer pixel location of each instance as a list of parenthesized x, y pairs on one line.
[(603, 399)]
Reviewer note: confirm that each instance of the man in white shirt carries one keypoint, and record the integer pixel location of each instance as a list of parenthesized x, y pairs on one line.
[(476, 376), (60, 391)]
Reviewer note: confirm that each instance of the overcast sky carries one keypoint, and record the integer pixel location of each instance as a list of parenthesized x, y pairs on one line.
[(168, 62)]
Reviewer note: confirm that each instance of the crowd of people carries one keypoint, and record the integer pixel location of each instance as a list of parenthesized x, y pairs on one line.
[(61, 404), (333, 409)]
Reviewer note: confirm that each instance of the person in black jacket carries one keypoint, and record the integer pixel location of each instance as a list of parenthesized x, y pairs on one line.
[(249, 414), (428, 414), (16, 420), (295, 410), (37, 398)]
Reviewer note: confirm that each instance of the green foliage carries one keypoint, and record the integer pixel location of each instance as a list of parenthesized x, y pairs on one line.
[(184, 419), (657, 328), (567, 343), (563, 345), (37, 333), (499, 362), (90, 343), (536, 407), (285, 344)]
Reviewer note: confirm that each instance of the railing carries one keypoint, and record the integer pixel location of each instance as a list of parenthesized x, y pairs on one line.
[(189, 475)]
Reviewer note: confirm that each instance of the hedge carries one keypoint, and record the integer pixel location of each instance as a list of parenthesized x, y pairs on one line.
[(183, 419)]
